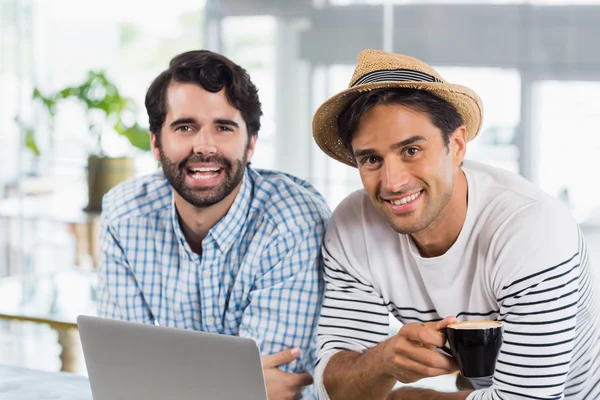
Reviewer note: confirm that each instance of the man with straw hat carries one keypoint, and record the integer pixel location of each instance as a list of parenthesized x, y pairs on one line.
[(434, 239)]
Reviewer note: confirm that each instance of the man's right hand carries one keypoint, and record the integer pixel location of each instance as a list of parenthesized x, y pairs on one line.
[(284, 385), (410, 355)]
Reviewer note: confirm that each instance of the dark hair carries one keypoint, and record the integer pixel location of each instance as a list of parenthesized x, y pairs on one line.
[(213, 72), (441, 113)]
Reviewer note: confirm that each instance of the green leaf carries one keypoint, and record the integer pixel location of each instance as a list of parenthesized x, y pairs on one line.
[(136, 135), (30, 142), (98, 92)]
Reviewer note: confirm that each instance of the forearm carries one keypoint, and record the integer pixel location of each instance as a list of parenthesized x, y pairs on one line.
[(349, 375), (407, 393)]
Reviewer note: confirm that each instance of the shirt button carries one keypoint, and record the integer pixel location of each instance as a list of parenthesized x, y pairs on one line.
[(206, 273), (210, 320)]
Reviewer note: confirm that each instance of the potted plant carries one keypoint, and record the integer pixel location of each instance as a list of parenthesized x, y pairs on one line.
[(106, 110)]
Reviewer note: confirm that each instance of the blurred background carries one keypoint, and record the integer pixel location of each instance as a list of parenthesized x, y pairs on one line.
[(73, 75)]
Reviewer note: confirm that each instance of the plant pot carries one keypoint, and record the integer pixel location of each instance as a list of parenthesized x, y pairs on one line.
[(103, 174)]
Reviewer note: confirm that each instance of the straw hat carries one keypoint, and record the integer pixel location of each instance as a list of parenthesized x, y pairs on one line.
[(378, 69)]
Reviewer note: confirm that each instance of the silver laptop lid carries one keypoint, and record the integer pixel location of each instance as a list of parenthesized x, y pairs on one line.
[(127, 360)]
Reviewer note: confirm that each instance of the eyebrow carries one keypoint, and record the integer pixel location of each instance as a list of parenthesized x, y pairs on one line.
[(217, 121), (223, 121), (409, 141), (182, 121), (405, 142)]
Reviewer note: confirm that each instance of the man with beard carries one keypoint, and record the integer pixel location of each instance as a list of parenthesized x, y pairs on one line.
[(210, 243), (434, 238)]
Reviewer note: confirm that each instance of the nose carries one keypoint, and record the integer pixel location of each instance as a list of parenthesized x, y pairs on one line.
[(204, 143), (395, 175)]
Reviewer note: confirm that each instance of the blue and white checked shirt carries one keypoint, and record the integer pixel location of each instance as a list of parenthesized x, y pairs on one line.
[(260, 274)]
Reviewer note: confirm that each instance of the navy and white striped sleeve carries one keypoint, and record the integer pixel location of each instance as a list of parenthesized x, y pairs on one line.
[(354, 317), (542, 300)]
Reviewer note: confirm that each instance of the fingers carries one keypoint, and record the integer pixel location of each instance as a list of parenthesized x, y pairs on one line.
[(281, 358), (301, 379), (286, 385), (411, 354), (418, 370), (444, 323), (426, 356), (292, 380), (423, 334)]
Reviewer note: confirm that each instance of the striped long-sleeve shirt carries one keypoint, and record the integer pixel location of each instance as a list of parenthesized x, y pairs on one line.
[(520, 258)]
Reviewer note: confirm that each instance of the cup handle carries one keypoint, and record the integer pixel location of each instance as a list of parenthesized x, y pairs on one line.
[(445, 348)]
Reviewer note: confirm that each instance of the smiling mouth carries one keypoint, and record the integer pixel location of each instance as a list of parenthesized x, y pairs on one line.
[(203, 173), (405, 200)]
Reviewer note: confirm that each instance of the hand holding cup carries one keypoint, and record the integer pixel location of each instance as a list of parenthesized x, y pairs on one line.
[(475, 346), (411, 354)]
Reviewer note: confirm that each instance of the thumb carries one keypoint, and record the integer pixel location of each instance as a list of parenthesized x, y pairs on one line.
[(444, 323), (281, 358)]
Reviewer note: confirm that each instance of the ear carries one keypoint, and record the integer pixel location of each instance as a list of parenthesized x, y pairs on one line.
[(458, 145), (154, 146), (251, 146)]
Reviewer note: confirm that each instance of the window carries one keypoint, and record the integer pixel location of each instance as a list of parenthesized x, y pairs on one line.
[(566, 127), (250, 42)]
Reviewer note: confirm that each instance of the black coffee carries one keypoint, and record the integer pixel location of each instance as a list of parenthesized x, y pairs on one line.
[(475, 346)]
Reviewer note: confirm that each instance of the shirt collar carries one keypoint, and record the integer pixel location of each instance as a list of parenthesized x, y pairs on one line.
[(175, 221), (227, 229)]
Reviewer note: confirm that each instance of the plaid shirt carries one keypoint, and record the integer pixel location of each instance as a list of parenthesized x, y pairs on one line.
[(259, 276)]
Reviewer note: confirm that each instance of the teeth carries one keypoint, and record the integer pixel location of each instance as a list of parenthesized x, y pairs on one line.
[(204, 169), (405, 200), (198, 175)]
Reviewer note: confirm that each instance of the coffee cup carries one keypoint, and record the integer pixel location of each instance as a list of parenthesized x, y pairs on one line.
[(475, 346)]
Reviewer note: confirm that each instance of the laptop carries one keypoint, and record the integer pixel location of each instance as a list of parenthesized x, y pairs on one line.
[(127, 360)]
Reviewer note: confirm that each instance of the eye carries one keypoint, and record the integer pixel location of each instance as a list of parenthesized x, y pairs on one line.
[(184, 128), (411, 151), (369, 161), (224, 128)]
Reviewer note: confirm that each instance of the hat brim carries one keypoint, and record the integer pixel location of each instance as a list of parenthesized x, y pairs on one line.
[(325, 121)]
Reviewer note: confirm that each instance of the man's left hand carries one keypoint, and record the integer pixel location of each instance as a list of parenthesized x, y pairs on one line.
[(284, 385)]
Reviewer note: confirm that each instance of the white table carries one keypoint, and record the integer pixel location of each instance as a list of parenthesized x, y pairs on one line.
[(27, 384)]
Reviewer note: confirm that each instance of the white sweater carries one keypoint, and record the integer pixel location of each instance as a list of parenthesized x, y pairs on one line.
[(519, 258)]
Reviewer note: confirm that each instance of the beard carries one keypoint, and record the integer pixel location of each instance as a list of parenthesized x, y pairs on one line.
[(202, 197)]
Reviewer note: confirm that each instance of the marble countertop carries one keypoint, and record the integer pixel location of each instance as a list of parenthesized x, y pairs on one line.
[(27, 384)]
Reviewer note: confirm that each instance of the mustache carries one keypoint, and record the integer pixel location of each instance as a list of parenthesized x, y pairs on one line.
[(199, 158)]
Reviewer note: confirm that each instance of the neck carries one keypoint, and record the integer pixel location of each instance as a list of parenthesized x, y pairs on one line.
[(437, 239), (196, 222)]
